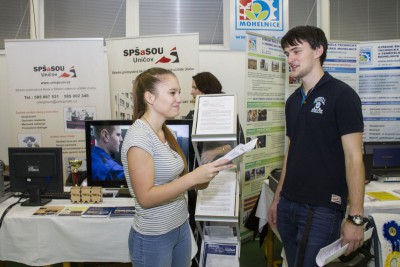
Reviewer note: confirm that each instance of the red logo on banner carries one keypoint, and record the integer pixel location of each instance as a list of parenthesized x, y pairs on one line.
[(66, 75), (172, 59)]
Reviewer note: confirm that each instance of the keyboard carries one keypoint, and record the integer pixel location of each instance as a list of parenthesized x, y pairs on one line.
[(390, 179), (56, 195), (382, 178), (63, 195)]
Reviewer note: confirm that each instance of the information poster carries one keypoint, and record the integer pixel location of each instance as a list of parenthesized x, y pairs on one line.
[(128, 57), (342, 62), (266, 17), (54, 86), (265, 102), (216, 114), (380, 90)]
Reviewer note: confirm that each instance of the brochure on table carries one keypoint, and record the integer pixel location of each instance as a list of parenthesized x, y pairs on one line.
[(220, 254)]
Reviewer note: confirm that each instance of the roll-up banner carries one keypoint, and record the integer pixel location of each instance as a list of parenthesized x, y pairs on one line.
[(265, 115), (379, 78), (54, 85), (128, 57)]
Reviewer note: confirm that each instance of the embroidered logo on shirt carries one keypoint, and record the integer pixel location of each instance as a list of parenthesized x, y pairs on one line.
[(318, 103), (336, 199)]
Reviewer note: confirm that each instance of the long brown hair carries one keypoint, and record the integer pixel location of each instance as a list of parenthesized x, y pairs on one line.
[(147, 81)]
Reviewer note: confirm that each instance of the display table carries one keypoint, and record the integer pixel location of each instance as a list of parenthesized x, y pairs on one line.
[(45, 240), (373, 206), (370, 206)]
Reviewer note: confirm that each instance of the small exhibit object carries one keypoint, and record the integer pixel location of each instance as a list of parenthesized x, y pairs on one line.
[(86, 194), (96, 195), (75, 194)]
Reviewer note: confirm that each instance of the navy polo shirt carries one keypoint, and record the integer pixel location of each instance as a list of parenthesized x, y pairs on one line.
[(315, 170)]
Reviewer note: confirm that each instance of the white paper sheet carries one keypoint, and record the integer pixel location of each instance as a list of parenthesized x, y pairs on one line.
[(240, 150), (335, 250), (219, 197), (216, 115)]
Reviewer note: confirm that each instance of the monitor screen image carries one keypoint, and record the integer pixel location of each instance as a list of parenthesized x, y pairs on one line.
[(385, 154), (104, 165), (34, 171)]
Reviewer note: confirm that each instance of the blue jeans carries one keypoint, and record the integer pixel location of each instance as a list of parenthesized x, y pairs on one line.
[(291, 220), (169, 249)]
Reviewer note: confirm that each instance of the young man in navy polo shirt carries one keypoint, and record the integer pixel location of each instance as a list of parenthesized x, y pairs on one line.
[(323, 170)]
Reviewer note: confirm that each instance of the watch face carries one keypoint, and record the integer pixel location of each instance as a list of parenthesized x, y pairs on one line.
[(357, 219)]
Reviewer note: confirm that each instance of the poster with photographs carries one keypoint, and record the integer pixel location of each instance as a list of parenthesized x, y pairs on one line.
[(265, 102)]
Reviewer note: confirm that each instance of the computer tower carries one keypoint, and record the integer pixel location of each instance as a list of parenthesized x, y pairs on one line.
[(4, 185)]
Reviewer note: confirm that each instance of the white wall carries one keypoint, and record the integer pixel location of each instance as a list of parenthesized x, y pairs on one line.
[(227, 66), (4, 115)]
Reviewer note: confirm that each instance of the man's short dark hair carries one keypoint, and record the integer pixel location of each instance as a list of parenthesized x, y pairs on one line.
[(314, 36), (97, 130)]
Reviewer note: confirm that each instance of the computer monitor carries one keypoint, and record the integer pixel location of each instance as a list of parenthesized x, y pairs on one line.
[(97, 175), (183, 131), (386, 154), (34, 171)]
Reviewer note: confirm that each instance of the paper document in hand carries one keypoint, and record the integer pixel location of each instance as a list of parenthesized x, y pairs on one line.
[(335, 250), (240, 150)]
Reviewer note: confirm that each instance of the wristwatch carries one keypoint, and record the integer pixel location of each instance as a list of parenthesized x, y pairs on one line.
[(356, 219)]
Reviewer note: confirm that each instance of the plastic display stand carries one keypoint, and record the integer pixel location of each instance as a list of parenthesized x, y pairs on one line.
[(217, 207)]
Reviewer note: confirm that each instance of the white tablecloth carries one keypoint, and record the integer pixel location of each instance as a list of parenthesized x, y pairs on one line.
[(37, 240), (370, 206)]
